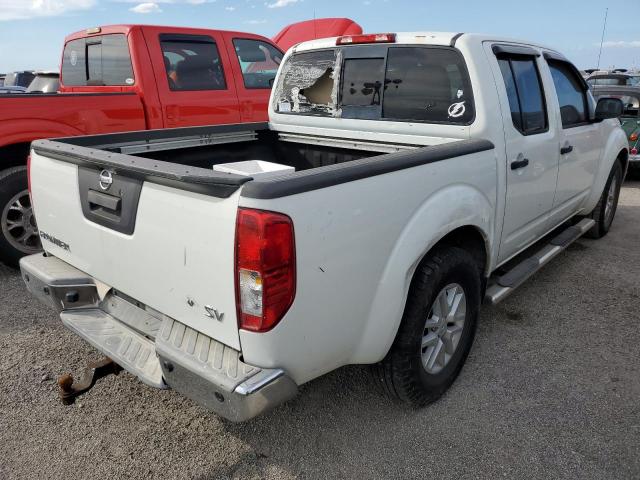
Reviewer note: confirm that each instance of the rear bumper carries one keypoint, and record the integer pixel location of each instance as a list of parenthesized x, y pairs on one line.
[(157, 349), (634, 160)]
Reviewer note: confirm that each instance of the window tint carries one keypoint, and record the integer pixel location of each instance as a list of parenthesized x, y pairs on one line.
[(571, 96), (192, 62), (427, 84), (362, 83), (259, 62), (524, 91), (306, 84), (100, 60)]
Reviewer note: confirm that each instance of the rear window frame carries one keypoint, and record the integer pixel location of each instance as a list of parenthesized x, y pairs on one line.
[(340, 53)]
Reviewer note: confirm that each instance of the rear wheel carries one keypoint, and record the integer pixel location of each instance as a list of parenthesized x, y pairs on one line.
[(19, 233), (437, 328), (605, 210)]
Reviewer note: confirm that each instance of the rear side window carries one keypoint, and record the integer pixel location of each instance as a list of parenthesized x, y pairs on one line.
[(571, 94), (192, 62), (428, 85), (525, 94), (101, 60), (259, 62)]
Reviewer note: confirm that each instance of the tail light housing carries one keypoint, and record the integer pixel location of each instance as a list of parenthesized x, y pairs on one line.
[(265, 268), (634, 151), (633, 137), (29, 173), (366, 38)]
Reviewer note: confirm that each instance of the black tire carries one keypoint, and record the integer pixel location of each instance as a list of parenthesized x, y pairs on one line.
[(599, 214), (402, 374), (13, 182)]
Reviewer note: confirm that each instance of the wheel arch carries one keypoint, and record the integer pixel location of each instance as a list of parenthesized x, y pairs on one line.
[(459, 215)]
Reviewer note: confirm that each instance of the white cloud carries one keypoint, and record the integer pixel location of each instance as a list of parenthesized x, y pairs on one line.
[(229, 9), (621, 44), (148, 7), (21, 9), (281, 3)]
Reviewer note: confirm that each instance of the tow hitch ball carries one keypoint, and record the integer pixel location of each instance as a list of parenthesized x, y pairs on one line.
[(69, 389)]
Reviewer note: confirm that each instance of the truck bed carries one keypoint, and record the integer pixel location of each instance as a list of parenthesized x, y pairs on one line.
[(184, 157)]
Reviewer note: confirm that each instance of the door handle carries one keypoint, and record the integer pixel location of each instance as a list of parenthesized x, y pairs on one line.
[(519, 164), (567, 149)]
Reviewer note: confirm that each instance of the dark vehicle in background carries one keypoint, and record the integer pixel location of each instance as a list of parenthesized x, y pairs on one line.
[(19, 79), (612, 79), (8, 90), (44, 82), (630, 119)]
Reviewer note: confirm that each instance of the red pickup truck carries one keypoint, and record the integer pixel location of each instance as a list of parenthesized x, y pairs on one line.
[(130, 77)]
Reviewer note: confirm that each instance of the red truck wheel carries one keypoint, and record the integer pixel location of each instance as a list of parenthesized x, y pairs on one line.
[(19, 233)]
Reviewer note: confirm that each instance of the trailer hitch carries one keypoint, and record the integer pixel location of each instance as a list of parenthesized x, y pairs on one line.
[(69, 389)]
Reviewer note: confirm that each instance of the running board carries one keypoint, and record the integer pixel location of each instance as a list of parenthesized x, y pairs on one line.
[(500, 287)]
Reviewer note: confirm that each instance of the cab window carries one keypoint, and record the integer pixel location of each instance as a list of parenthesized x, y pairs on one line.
[(571, 94), (427, 85), (259, 62), (192, 62), (103, 60), (525, 94)]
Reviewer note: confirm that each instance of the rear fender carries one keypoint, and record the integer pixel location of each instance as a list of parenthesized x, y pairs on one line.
[(448, 209)]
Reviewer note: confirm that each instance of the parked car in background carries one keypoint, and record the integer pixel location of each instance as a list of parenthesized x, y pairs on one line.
[(44, 82), (9, 90), (416, 176), (608, 79), (19, 79), (130, 77), (630, 119), (2, 75)]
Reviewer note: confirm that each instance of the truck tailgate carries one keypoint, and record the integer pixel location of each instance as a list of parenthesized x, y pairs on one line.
[(167, 247)]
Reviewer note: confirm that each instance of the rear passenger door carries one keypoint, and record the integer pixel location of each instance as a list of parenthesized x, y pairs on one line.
[(194, 78), (580, 144), (532, 144), (255, 63)]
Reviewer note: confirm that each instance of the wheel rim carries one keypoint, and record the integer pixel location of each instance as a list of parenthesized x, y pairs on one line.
[(443, 328), (19, 225), (611, 200)]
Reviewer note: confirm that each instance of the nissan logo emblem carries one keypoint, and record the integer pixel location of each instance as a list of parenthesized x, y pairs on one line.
[(106, 179)]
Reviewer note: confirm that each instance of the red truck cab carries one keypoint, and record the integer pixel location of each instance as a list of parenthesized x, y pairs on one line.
[(184, 76)]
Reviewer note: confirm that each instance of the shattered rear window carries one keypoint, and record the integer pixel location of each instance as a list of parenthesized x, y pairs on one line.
[(308, 84)]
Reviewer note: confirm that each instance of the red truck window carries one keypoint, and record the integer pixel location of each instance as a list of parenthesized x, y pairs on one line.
[(192, 62), (259, 62), (101, 60)]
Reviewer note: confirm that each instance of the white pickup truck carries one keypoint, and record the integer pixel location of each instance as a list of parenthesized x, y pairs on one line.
[(417, 175)]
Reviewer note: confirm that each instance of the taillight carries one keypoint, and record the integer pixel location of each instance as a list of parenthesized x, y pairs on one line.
[(634, 151), (265, 268), (29, 173), (366, 38), (633, 137)]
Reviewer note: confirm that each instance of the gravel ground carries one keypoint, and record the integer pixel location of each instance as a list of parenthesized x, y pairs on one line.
[(550, 390)]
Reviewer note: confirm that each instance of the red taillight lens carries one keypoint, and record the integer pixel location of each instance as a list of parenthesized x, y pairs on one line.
[(265, 268), (633, 137), (29, 173), (367, 38), (634, 151)]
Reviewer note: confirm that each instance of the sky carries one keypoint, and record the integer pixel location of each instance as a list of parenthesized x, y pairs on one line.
[(32, 31)]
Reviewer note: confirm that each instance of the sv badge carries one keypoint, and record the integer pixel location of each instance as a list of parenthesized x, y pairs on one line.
[(213, 313)]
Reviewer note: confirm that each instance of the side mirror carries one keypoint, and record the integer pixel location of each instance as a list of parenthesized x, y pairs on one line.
[(608, 108)]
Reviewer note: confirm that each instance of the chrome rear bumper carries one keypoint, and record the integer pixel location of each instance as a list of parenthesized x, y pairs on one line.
[(157, 349)]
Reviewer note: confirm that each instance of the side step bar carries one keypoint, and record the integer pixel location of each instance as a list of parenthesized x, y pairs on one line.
[(501, 287)]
